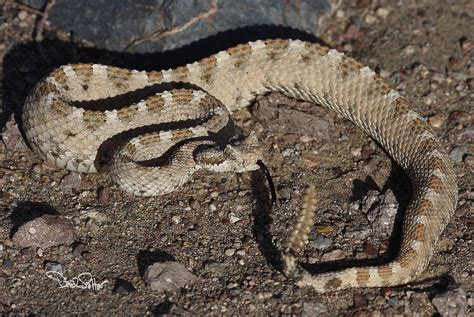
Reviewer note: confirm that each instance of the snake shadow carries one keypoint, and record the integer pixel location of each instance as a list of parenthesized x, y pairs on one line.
[(397, 181), (261, 228)]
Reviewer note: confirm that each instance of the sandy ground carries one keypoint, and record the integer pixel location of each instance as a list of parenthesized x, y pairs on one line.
[(221, 227)]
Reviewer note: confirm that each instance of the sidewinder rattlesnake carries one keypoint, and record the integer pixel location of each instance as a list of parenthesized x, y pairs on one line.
[(69, 136)]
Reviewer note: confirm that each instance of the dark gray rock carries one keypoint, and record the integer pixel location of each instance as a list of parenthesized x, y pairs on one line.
[(51, 266), (7, 263), (157, 25), (123, 287)]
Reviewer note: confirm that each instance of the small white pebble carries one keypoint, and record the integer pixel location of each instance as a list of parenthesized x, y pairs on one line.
[(233, 218), (370, 19), (176, 219), (356, 152), (212, 207), (408, 50), (214, 194), (385, 73), (306, 139), (382, 12), (340, 14), (229, 252), (22, 15)]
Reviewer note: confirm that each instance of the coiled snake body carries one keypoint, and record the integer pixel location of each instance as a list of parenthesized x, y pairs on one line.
[(68, 135)]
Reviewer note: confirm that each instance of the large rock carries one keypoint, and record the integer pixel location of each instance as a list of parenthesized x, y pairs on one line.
[(157, 25)]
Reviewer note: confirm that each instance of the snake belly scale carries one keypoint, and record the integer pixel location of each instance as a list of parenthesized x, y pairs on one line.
[(60, 132)]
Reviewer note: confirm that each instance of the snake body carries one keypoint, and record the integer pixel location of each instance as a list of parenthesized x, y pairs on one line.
[(65, 134)]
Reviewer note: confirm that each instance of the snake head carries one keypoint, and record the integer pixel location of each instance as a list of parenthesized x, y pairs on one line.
[(244, 155), (237, 156)]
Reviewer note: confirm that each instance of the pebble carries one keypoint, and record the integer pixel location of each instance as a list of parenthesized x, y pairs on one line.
[(214, 194), (45, 232), (360, 300), (176, 219), (351, 32), (51, 266), (233, 218), (167, 276), (367, 152), (408, 50), (22, 15), (321, 242), (79, 249), (457, 153), (2, 246), (94, 215), (264, 295), (123, 287), (216, 267), (194, 204), (314, 309), (285, 193), (382, 12), (356, 152), (385, 73), (380, 300), (71, 182), (212, 207), (371, 165), (288, 152), (306, 139), (380, 210), (128, 207), (35, 172), (340, 14), (392, 301), (436, 121), (333, 255), (7, 263), (103, 195), (324, 229), (451, 303), (370, 19), (463, 209), (370, 249), (229, 252), (12, 137)]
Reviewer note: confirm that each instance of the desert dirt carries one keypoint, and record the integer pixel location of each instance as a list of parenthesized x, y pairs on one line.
[(222, 227)]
